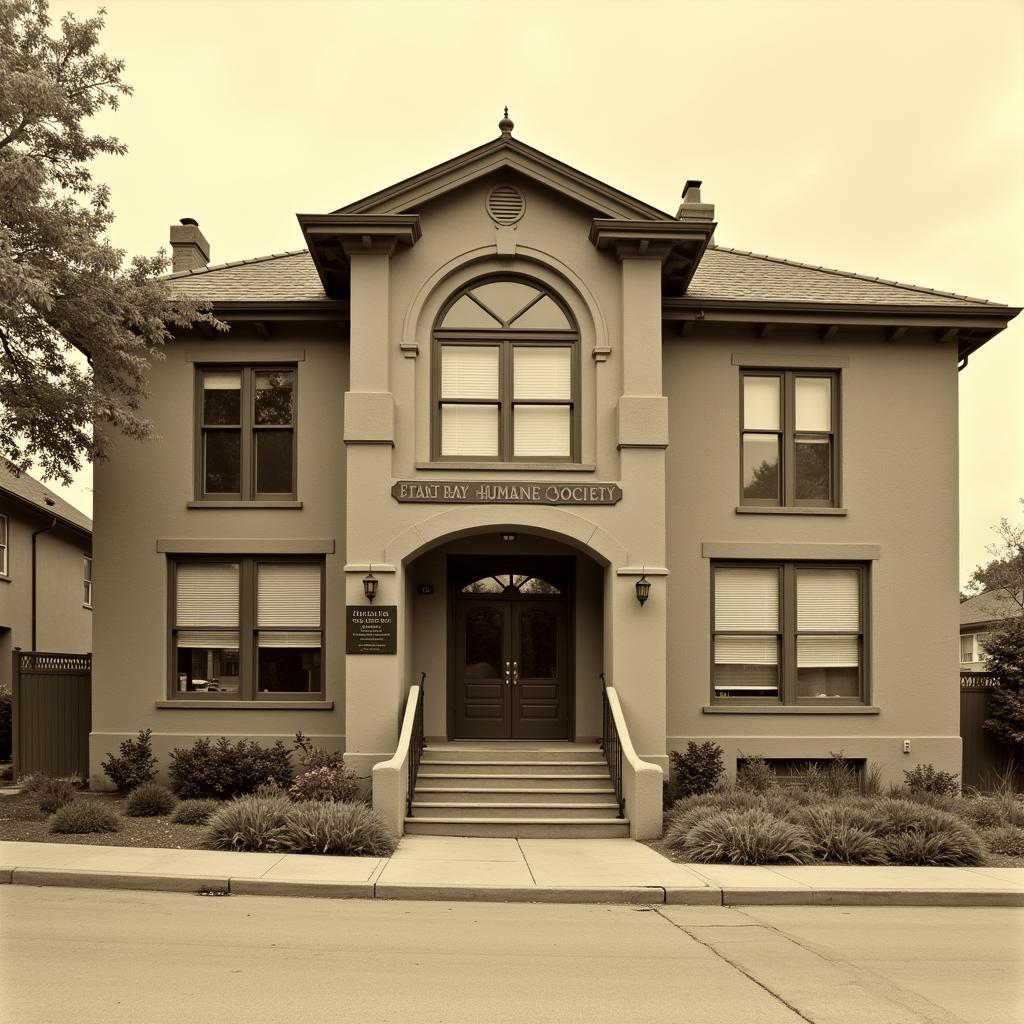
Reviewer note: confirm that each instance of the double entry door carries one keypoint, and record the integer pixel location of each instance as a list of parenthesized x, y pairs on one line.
[(511, 669)]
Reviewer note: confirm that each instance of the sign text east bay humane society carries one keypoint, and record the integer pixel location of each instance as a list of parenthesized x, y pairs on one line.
[(488, 492)]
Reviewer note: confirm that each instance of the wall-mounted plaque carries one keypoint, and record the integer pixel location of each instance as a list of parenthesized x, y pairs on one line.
[(504, 492), (371, 629)]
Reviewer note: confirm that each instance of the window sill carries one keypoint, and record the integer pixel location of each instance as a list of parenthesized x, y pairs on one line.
[(247, 705), (789, 511), (4, 578), (490, 467), (244, 504), (87, 607), (791, 709)]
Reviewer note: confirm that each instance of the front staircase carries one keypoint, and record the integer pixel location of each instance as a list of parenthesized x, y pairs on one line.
[(515, 789)]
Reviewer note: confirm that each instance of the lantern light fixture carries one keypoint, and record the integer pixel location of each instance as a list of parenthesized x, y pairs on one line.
[(643, 588), (370, 585)]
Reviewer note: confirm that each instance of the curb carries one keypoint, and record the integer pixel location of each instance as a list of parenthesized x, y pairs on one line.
[(624, 895)]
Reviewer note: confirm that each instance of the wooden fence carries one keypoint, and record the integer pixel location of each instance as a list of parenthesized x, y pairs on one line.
[(986, 759), (52, 713)]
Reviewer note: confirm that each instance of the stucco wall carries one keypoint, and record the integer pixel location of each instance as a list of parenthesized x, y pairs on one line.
[(899, 485), (141, 496)]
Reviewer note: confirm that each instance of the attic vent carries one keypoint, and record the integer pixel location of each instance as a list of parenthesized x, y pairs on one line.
[(505, 204)]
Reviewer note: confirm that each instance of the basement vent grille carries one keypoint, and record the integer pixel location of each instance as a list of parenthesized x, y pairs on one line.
[(505, 204)]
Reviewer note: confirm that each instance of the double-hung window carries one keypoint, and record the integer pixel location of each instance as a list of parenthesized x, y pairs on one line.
[(87, 580), (788, 439), (506, 376), (247, 628), (245, 445), (788, 633), (4, 561)]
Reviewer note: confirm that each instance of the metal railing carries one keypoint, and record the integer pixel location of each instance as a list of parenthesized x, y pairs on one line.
[(416, 745), (611, 744)]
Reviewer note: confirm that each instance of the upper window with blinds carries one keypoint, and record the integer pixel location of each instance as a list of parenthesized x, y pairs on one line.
[(788, 632), (505, 376)]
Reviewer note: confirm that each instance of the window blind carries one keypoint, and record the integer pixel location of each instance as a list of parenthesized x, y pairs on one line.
[(746, 598), (813, 403), (282, 638), (469, 430), (288, 594), (226, 639), (746, 650), (207, 594), (827, 652), (541, 431), (542, 372), (761, 403), (827, 599), (469, 371)]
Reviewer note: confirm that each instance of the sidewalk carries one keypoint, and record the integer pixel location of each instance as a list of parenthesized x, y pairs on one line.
[(506, 870)]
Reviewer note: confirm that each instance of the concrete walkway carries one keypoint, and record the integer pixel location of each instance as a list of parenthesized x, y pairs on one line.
[(506, 870)]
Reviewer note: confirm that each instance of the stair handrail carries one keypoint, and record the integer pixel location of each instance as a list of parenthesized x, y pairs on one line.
[(638, 783), (395, 779)]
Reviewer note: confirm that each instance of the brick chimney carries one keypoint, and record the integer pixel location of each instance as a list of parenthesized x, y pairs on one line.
[(189, 248), (692, 209)]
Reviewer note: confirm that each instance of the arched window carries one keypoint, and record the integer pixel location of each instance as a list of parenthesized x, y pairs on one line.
[(506, 372)]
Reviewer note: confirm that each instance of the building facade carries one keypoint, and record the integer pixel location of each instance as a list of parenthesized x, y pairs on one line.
[(979, 617), (45, 571), (508, 393)]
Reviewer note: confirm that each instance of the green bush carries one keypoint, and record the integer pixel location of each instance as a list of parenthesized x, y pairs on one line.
[(222, 770), (340, 829), (1007, 839), (925, 778), (84, 816), (337, 784), (745, 837), (251, 823), (311, 757), (52, 794), (698, 770), (841, 834), (194, 812), (756, 775), (150, 800), (135, 765)]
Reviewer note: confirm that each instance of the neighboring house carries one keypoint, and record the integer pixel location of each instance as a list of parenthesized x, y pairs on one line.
[(979, 615), (505, 393), (45, 571)]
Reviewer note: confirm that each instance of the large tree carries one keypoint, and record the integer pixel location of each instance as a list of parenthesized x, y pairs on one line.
[(1003, 573), (64, 288)]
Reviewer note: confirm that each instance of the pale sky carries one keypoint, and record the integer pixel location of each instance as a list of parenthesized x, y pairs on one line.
[(885, 138)]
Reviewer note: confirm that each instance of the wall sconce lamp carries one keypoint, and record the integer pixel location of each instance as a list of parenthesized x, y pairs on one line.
[(643, 588), (370, 585)]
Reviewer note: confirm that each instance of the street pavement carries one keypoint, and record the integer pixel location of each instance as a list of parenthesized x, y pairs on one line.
[(81, 955)]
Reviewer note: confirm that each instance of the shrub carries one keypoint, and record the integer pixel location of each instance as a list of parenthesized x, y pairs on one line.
[(150, 800), (341, 829), (957, 846), (83, 816), (6, 723), (250, 823), (991, 811), (924, 778), (311, 757), (335, 785), (841, 834), (223, 770), (1008, 839), (194, 812), (745, 837), (136, 764), (755, 775), (1005, 652), (52, 794), (698, 770)]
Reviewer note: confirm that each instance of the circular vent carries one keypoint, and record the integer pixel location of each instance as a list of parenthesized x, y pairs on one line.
[(505, 204)]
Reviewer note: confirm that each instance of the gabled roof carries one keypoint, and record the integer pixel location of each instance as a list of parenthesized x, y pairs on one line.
[(29, 491), (992, 606)]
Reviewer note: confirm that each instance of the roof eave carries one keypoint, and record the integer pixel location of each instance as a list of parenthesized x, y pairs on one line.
[(45, 511)]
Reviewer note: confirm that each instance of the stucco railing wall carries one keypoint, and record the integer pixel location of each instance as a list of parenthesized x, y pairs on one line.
[(391, 777), (641, 780)]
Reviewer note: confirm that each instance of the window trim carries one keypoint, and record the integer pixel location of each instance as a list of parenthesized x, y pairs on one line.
[(506, 339), (787, 434), (787, 669), (248, 631), (5, 547), (87, 580), (248, 496)]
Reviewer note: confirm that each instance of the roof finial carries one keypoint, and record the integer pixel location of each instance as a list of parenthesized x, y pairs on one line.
[(506, 125)]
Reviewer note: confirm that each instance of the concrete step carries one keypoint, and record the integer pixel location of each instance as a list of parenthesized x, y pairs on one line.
[(466, 780), (521, 828), (512, 766), (450, 752), (464, 809), (512, 795)]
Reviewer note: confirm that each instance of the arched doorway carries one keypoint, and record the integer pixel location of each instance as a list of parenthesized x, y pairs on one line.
[(510, 653)]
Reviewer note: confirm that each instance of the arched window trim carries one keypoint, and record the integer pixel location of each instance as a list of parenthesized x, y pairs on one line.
[(506, 338)]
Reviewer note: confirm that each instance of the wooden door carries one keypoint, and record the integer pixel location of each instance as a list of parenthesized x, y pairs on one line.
[(540, 676), (483, 669)]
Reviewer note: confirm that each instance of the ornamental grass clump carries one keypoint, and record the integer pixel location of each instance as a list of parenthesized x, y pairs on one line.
[(755, 775), (339, 829), (1007, 839), (53, 794), (250, 823), (194, 812), (744, 837), (913, 833), (83, 816), (334, 784), (150, 800), (841, 834), (985, 812)]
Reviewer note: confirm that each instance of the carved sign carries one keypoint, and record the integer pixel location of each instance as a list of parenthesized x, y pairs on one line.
[(504, 492)]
